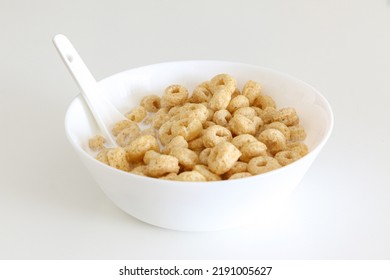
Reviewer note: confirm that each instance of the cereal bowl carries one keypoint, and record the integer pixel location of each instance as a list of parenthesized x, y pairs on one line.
[(200, 206)]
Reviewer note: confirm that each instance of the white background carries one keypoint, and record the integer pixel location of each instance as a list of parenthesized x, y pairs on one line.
[(50, 208)]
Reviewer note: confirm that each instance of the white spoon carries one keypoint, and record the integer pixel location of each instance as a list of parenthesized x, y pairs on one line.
[(105, 114)]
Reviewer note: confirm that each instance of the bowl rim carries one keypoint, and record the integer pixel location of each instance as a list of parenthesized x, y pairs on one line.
[(319, 146)]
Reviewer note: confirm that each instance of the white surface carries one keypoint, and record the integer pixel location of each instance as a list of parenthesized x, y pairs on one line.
[(51, 208), (190, 206)]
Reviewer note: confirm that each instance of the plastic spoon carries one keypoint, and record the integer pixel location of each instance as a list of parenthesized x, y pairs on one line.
[(105, 114)]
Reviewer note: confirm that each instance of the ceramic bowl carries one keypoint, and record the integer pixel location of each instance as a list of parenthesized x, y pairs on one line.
[(200, 206)]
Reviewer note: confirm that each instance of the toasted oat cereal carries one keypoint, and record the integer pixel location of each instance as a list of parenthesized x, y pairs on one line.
[(121, 125), (274, 139), (297, 133), (222, 157), (195, 134), (223, 81), (239, 101), (299, 147), (187, 158), (240, 175), (126, 136), (190, 176), (287, 157), (279, 126), (251, 90), (174, 95), (240, 124), (288, 116), (262, 164), (117, 158), (151, 103), (220, 100), (162, 165), (96, 143), (264, 101), (138, 147), (222, 117), (137, 114), (204, 170), (216, 134), (189, 128), (202, 93), (238, 167)]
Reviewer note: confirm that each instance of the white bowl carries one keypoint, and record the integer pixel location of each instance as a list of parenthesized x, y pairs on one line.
[(200, 206)]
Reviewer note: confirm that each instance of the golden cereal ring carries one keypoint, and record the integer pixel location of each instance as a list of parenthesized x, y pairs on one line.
[(262, 164), (240, 124), (138, 147), (299, 147), (126, 136), (253, 149), (121, 125), (240, 175), (174, 95), (190, 176), (204, 156), (237, 102), (169, 176), (188, 128), (222, 117), (241, 140), (176, 142), (141, 170), (117, 158), (161, 165), (281, 127), (210, 114), (196, 144), (222, 157), (173, 111), (149, 155), (248, 112), (263, 101), (288, 116), (274, 139), (137, 114), (151, 103), (236, 92), (297, 133), (208, 124), (164, 133), (102, 156), (202, 93), (268, 115), (210, 176), (194, 111), (96, 143), (257, 110), (251, 90), (238, 167), (287, 157), (216, 134), (187, 158), (223, 81), (160, 118), (220, 100)]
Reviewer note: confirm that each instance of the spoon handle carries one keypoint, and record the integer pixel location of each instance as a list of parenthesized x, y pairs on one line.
[(105, 114)]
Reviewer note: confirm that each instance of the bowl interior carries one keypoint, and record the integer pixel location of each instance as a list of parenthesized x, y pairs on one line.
[(126, 89)]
